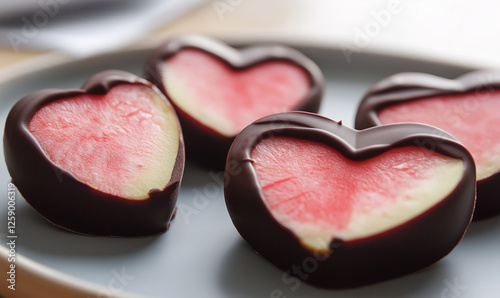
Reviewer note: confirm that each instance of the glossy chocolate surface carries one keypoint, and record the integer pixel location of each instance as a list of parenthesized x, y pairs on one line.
[(405, 87), (407, 248), (203, 144), (64, 200)]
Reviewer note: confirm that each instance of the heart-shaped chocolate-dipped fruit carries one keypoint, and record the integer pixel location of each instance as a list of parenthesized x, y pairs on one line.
[(341, 208), (106, 159), (467, 107), (218, 90)]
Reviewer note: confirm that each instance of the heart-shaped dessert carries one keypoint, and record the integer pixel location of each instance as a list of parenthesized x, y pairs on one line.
[(218, 90), (106, 159), (340, 208), (468, 108)]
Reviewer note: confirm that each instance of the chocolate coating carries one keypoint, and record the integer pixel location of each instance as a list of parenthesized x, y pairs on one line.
[(407, 248), (203, 144), (64, 200), (405, 87)]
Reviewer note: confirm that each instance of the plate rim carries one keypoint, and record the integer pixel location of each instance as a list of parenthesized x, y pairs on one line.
[(54, 59)]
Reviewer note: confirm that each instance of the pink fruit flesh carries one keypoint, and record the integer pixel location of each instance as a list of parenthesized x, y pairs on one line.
[(472, 118), (123, 143), (228, 100), (305, 182)]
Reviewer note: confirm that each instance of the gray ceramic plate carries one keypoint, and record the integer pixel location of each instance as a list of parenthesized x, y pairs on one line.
[(202, 255)]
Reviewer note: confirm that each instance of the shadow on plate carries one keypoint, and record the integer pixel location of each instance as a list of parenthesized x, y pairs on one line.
[(483, 228), (37, 234), (196, 176), (244, 271)]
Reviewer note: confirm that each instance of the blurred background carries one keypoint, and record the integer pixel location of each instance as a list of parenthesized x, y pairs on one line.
[(464, 32)]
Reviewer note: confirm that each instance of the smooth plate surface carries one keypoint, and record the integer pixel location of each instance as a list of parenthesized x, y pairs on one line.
[(202, 255)]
